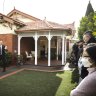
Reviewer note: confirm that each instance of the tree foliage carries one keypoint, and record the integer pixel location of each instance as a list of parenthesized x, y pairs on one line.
[(88, 22), (89, 9)]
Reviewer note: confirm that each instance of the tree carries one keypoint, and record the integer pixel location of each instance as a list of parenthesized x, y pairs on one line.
[(88, 22), (94, 27), (83, 27), (89, 9)]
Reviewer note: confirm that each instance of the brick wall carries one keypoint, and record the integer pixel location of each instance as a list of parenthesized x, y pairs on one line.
[(10, 41)]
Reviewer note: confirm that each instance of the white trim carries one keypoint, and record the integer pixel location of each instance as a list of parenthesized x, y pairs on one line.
[(19, 38), (57, 49), (63, 50), (49, 51), (36, 48)]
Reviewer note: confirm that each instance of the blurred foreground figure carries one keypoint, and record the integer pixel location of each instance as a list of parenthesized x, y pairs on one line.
[(87, 86)]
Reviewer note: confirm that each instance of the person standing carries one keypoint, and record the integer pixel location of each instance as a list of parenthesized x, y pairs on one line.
[(88, 38), (80, 48), (87, 86), (75, 50), (2, 56)]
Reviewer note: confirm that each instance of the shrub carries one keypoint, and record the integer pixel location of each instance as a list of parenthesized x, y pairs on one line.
[(8, 59)]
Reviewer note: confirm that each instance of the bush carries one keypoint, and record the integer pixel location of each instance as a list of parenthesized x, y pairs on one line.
[(8, 58)]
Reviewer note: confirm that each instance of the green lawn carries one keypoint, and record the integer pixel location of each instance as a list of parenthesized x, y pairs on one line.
[(35, 83)]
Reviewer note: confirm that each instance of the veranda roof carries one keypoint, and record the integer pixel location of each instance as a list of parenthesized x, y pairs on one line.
[(43, 25)]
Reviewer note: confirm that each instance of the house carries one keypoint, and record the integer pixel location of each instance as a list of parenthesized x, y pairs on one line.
[(21, 32)]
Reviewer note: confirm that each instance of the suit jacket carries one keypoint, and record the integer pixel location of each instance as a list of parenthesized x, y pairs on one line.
[(3, 50)]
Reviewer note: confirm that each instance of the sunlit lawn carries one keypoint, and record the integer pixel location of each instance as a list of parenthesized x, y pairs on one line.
[(35, 83)]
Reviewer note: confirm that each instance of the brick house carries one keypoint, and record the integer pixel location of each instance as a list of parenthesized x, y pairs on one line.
[(21, 32)]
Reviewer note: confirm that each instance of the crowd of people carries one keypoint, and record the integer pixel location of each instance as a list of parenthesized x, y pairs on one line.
[(85, 58)]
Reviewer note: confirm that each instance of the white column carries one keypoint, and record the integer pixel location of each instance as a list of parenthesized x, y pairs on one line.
[(49, 51), (57, 48), (63, 50), (19, 38), (36, 48)]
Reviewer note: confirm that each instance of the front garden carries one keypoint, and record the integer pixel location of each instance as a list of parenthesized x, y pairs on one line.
[(35, 83)]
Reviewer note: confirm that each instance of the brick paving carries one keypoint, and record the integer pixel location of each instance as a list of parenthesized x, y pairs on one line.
[(14, 69)]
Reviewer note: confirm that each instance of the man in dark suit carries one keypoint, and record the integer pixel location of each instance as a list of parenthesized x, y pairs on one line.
[(2, 56)]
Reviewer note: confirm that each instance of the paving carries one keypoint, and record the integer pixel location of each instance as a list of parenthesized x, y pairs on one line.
[(14, 69)]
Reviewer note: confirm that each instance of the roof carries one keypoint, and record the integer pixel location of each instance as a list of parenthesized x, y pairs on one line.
[(10, 20), (71, 25), (22, 13), (42, 25)]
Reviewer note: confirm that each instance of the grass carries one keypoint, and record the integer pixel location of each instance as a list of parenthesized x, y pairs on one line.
[(35, 83)]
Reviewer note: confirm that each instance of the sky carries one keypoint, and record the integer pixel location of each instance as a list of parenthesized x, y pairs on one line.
[(59, 11)]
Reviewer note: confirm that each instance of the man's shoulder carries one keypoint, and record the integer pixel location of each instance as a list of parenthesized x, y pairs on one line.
[(3, 46)]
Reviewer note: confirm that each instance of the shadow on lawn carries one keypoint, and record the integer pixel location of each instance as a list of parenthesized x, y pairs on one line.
[(75, 73), (75, 76)]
